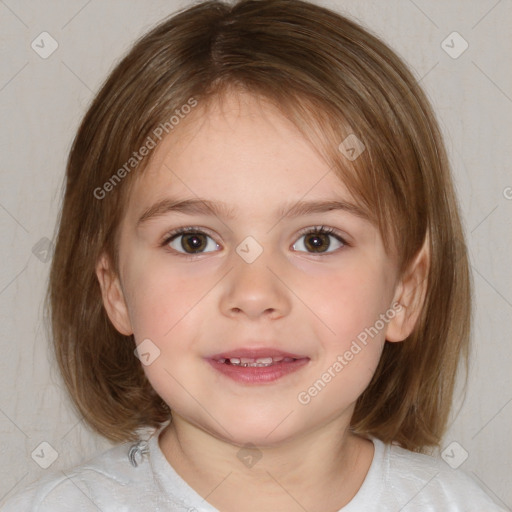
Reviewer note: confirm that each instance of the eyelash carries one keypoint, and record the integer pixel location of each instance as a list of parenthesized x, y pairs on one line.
[(323, 230)]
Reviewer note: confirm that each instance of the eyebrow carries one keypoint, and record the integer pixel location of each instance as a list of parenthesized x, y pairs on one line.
[(220, 209)]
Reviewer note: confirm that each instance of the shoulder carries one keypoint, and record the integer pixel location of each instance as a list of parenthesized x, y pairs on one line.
[(423, 482), (91, 486)]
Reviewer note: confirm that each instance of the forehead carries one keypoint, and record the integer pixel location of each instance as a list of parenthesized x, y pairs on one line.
[(239, 148)]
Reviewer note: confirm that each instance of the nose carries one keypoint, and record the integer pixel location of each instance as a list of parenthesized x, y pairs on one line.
[(252, 290)]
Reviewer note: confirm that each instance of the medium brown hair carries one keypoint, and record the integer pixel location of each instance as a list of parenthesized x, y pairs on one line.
[(333, 78)]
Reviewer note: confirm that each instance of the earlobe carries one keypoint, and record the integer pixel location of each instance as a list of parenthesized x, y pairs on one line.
[(410, 296), (113, 296)]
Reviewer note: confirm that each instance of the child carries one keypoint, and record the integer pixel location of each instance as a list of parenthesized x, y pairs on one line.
[(260, 287)]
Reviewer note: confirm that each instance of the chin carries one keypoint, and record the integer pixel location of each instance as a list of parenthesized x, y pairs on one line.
[(255, 431)]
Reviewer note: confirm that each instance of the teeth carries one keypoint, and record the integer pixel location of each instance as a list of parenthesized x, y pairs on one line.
[(266, 360), (263, 360), (251, 362)]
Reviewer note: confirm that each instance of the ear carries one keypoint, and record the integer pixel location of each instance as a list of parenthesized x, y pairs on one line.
[(410, 295), (113, 296)]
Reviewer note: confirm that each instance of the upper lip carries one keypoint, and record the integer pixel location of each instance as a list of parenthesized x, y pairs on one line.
[(255, 353)]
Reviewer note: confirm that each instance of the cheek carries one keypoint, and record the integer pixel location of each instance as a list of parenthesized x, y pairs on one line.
[(348, 306), (352, 338), (167, 308), (161, 297), (348, 301)]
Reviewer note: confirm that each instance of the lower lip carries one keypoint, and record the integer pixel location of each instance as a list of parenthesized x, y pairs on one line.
[(258, 374)]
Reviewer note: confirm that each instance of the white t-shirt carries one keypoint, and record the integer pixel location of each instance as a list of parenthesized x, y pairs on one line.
[(398, 480)]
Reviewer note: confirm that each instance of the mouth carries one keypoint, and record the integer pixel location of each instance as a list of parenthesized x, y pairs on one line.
[(255, 363), (257, 366)]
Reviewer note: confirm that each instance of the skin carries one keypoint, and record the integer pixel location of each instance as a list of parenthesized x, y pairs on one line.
[(246, 154)]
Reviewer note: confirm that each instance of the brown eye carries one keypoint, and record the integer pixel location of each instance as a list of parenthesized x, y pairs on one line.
[(318, 240), (193, 243)]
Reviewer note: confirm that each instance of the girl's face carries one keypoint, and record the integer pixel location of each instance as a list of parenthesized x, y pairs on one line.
[(251, 274)]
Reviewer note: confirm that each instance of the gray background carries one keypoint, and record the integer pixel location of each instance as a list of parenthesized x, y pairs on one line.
[(43, 100)]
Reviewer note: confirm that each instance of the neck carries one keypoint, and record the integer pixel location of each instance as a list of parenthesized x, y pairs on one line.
[(321, 470)]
